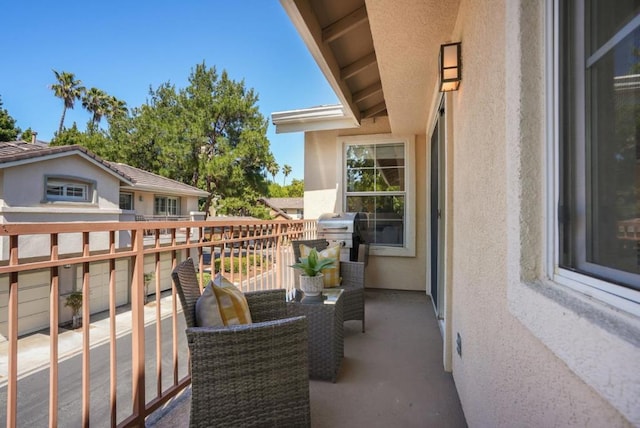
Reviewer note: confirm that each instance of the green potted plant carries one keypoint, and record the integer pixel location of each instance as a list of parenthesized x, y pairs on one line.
[(74, 301), (311, 279)]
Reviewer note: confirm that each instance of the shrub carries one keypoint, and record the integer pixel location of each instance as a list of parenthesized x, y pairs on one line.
[(245, 262)]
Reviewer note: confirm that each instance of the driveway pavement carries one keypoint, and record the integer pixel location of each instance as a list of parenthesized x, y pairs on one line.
[(34, 349)]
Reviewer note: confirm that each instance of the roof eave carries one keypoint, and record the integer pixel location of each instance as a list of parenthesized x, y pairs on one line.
[(302, 17), (312, 119)]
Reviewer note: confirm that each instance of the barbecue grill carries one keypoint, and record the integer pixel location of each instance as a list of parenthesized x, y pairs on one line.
[(345, 229)]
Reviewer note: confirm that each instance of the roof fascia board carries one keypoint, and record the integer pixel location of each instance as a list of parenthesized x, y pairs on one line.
[(315, 126), (312, 119), (303, 19)]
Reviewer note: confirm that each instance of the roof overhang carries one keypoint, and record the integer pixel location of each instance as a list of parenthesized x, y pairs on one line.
[(379, 56), (312, 119)]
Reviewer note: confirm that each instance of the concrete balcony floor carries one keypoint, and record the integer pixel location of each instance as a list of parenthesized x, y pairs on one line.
[(391, 376)]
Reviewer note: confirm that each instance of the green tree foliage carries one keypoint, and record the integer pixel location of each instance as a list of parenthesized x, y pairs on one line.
[(68, 89), (96, 102), (8, 129), (296, 188), (71, 136), (293, 190), (273, 169), (27, 135), (210, 135)]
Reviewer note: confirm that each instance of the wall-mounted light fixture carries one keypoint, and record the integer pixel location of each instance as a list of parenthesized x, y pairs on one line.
[(450, 67)]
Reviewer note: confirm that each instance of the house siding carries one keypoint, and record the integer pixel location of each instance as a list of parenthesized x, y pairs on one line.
[(23, 188), (508, 375)]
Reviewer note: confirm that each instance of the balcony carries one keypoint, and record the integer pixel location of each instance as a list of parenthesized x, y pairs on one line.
[(129, 363)]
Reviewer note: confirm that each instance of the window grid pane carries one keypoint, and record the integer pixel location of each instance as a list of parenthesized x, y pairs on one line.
[(375, 184), (67, 191)]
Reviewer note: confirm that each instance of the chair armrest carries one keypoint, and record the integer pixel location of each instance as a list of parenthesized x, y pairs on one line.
[(352, 274), (267, 305)]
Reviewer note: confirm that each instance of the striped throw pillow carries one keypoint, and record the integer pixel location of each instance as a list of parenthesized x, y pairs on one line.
[(232, 304), (207, 311)]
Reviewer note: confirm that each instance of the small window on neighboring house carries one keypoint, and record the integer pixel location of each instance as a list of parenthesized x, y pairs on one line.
[(378, 181), (126, 201), (599, 143), (166, 206), (71, 190)]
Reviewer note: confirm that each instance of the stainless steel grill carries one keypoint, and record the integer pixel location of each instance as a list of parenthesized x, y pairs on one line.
[(345, 229)]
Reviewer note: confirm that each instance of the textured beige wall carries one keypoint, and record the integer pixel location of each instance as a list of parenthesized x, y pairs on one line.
[(24, 185), (506, 376), (321, 178)]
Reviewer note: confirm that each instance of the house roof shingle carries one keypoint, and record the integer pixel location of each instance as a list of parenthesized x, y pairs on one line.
[(144, 180), (285, 203)]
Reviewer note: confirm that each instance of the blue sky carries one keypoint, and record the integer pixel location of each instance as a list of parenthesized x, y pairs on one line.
[(123, 47)]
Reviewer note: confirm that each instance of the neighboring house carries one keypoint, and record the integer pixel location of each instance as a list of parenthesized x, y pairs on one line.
[(515, 198), (44, 184), (154, 197), (285, 208)]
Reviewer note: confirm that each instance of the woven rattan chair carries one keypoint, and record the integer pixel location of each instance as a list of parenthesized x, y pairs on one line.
[(352, 274), (246, 375)]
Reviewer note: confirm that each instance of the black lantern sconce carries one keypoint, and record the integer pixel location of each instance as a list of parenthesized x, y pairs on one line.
[(450, 67)]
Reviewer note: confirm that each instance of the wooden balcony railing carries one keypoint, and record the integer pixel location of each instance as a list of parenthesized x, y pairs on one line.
[(111, 259)]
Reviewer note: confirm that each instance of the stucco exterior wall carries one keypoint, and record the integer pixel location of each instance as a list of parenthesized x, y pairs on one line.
[(322, 176), (24, 185), (506, 375), (143, 203)]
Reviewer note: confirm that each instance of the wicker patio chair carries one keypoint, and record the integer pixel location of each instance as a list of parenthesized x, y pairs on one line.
[(352, 274), (246, 375)]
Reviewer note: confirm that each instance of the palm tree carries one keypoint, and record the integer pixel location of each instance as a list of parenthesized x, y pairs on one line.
[(96, 102), (273, 169), (116, 108), (286, 170), (68, 89)]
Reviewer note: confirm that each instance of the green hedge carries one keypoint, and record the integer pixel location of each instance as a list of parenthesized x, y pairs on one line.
[(237, 262)]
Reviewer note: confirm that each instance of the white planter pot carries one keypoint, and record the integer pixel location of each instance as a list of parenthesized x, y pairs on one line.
[(312, 285)]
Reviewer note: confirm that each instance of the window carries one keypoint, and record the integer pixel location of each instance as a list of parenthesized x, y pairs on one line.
[(68, 189), (377, 182), (126, 201), (599, 143), (166, 206)]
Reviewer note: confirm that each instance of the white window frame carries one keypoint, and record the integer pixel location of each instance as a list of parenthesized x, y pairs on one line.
[(409, 247), (616, 295), (174, 199), (67, 182)]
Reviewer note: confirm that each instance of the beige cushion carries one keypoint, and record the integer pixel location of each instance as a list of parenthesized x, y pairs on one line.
[(331, 275), (207, 311), (232, 304)]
